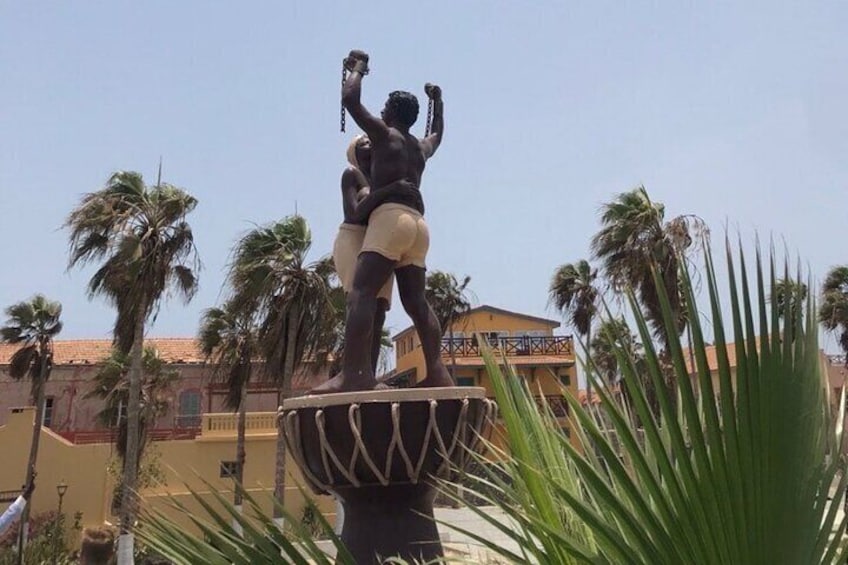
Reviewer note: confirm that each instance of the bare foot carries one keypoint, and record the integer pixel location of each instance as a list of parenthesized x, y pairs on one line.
[(440, 377), (340, 383)]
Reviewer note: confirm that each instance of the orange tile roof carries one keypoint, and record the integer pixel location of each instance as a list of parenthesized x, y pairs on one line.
[(712, 355), (92, 351)]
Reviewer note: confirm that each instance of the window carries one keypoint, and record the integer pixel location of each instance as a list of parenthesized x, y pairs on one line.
[(493, 338), (228, 469), (465, 381), (47, 420), (565, 379), (121, 412), (189, 414)]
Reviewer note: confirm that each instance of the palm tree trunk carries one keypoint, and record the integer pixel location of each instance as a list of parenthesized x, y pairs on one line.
[(241, 456), (38, 394), (131, 460), (452, 351), (288, 373), (588, 366)]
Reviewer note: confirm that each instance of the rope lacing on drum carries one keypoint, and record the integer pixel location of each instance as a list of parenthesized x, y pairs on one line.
[(413, 469)]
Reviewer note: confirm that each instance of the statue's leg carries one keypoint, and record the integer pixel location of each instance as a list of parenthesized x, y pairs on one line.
[(411, 284), (377, 332), (372, 271)]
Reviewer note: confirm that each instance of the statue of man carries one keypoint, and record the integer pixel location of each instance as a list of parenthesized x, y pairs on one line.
[(351, 235), (396, 238)]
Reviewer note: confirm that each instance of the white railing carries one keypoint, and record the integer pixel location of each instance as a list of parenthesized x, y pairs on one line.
[(226, 424)]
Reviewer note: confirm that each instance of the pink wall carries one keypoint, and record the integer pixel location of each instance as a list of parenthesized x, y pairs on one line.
[(69, 384)]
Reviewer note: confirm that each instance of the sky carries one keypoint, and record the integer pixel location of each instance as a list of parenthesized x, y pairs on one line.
[(735, 112)]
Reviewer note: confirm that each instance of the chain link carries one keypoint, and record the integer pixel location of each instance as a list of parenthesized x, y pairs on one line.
[(429, 127), (344, 78)]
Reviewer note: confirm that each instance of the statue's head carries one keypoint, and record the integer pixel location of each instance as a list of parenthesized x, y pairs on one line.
[(401, 109), (359, 153)]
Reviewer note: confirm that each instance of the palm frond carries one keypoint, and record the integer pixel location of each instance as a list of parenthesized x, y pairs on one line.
[(738, 470), (24, 362), (257, 541)]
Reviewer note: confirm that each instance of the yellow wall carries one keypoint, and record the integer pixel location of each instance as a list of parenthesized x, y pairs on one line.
[(83, 468), (409, 354), (545, 378), (479, 321)]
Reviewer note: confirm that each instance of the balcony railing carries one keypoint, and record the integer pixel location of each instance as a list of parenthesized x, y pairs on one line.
[(183, 421), (227, 424), (837, 360), (510, 346), (84, 437), (556, 403)]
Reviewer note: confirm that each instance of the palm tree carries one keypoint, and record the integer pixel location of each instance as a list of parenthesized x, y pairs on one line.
[(574, 294), (634, 240), (32, 325), (612, 334), (787, 296), (111, 385), (833, 312), (228, 338), (269, 273), (145, 248), (448, 297)]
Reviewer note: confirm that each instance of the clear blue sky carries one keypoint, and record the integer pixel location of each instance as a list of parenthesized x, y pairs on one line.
[(736, 113)]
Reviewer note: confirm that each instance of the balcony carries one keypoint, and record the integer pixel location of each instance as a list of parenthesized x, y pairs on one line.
[(85, 437), (555, 403), (227, 424), (510, 346)]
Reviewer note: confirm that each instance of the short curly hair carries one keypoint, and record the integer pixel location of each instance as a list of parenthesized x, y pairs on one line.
[(403, 106)]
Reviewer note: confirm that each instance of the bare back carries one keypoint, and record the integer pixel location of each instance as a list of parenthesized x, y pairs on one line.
[(396, 157)]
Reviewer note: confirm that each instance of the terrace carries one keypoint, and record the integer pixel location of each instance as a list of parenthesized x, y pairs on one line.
[(509, 346)]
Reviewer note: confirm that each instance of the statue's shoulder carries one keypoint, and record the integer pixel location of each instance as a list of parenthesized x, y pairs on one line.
[(352, 175)]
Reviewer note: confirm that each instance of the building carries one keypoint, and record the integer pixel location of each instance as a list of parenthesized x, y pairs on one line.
[(194, 442), (75, 362), (202, 463), (546, 361)]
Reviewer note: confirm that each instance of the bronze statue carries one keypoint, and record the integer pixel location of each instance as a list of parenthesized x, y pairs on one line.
[(348, 243), (396, 237)]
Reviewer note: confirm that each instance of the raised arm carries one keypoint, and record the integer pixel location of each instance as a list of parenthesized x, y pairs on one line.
[(357, 64), (430, 143)]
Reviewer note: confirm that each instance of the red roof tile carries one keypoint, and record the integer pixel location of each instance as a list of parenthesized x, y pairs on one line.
[(92, 351)]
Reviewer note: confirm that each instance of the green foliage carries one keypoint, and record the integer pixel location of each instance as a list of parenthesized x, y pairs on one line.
[(447, 296), (291, 298), (739, 473), (111, 385), (633, 239), (261, 541), (228, 339), (833, 312), (144, 242), (788, 294), (49, 537), (32, 325), (574, 293)]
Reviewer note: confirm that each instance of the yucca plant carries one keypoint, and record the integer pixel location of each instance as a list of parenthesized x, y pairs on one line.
[(739, 473)]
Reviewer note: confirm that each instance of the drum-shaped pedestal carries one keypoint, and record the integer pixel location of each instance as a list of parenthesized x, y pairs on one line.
[(378, 451)]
